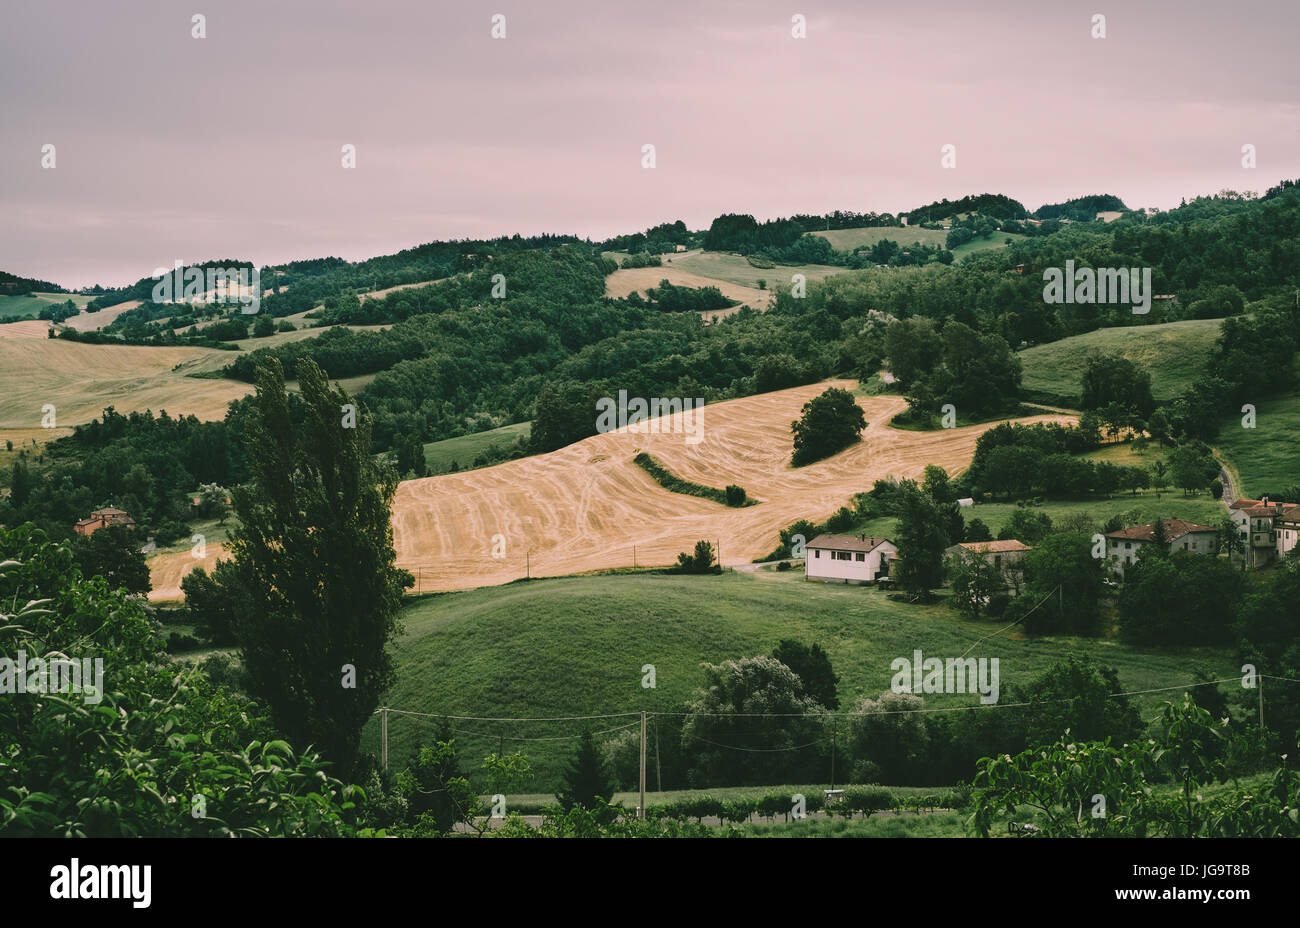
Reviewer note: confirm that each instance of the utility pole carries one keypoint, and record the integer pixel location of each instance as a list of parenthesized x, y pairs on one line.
[(528, 564), (1259, 682), (641, 808), (835, 731), (634, 557), (383, 738), (659, 770)]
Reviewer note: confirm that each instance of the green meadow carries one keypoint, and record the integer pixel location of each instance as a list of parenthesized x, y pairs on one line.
[(576, 646), (1173, 353), (465, 448)]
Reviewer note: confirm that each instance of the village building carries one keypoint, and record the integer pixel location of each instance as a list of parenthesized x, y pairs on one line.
[(1287, 528), (101, 518), (1257, 521), (1004, 554), (847, 558), (1122, 547)]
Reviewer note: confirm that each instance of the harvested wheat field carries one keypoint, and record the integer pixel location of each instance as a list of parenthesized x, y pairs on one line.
[(81, 380), (86, 322), (29, 328), (639, 279), (167, 570), (586, 506)]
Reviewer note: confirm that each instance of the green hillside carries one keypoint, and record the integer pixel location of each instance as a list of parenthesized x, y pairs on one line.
[(15, 307), (848, 240), (1174, 353), (575, 646), (465, 448), (1267, 457)]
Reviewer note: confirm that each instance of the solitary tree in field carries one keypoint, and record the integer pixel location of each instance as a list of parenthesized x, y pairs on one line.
[(830, 423), (315, 552)]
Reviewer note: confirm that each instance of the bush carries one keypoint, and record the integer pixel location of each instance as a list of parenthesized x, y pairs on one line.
[(866, 801), (701, 562), (171, 531), (736, 495), (177, 642), (998, 603)]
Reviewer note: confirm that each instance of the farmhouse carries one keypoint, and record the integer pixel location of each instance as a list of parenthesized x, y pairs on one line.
[(101, 518), (1122, 547), (847, 558), (1257, 520), (1004, 554)]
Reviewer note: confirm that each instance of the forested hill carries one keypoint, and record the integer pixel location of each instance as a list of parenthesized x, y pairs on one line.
[(460, 359), (13, 285)]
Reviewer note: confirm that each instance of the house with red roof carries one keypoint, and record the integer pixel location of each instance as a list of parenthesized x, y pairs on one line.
[(854, 559), (1122, 547), (1258, 521)]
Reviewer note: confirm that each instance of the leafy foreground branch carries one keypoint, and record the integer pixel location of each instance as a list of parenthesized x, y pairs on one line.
[(1092, 789), (157, 750)]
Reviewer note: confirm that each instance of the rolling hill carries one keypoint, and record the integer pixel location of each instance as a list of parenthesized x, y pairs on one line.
[(849, 240), (80, 380), (623, 282), (1174, 353), (576, 646), (588, 507)]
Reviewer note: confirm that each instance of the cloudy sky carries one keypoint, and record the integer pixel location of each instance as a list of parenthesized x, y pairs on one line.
[(172, 147)]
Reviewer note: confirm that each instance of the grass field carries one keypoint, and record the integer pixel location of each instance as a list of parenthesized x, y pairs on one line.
[(465, 448), (1267, 457), (14, 307), (849, 240), (1173, 353), (736, 270), (1125, 454), (576, 647), (1146, 506), (886, 825)]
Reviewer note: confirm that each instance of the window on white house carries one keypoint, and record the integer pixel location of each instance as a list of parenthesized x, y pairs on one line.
[(860, 557)]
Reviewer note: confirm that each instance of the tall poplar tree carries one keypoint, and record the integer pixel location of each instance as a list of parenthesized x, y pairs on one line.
[(314, 552)]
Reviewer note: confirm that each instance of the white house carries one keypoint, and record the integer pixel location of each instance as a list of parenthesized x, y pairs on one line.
[(847, 559), (1122, 547), (1258, 521), (1288, 532)]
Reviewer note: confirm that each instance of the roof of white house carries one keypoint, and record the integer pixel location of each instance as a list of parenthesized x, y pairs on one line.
[(1174, 528), (846, 543), (1000, 546)]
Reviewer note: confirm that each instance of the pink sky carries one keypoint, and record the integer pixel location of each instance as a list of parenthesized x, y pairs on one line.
[(171, 147)]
